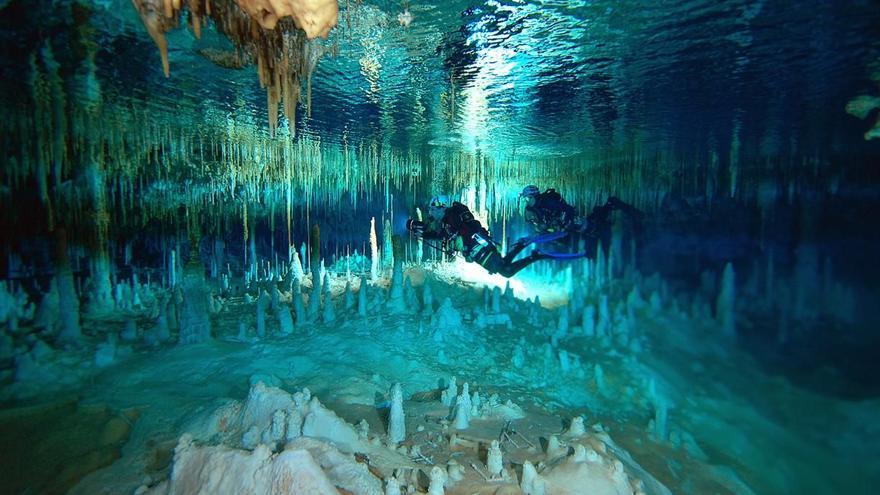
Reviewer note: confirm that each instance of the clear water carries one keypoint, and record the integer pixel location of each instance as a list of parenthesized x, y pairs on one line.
[(744, 131)]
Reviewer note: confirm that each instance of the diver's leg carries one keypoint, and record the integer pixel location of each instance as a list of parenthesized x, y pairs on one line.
[(515, 249), (508, 269)]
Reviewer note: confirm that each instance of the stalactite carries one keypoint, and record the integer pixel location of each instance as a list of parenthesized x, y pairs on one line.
[(276, 34), (315, 241)]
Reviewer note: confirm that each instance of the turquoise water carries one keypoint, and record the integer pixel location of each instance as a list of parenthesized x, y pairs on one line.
[(724, 335)]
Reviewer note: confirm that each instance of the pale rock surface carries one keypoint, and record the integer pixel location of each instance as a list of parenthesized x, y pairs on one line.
[(315, 17), (222, 470)]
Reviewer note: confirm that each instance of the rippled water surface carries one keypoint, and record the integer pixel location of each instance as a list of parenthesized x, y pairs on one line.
[(543, 78)]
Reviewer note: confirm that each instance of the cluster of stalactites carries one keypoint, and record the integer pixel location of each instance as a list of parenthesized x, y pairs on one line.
[(260, 28)]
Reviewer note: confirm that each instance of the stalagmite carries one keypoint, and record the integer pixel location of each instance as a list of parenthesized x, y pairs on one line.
[(494, 460), (447, 397), (588, 321), (374, 251), (296, 269), (160, 332), (262, 305), (362, 298), (725, 305), (519, 357), (396, 301), (466, 395), (299, 309), (419, 242), (438, 481), (576, 429), (396, 418), (285, 320), (68, 307), (315, 296), (47, 316), (329, 314), (388, 254), (603, 328), (347, 297), (555, 447), (392, 486), (532, 483), (462, 412), (599, 377), (195, 324), (562, 323), (129, 332), (101, 296), (315, 260), (427, 298)]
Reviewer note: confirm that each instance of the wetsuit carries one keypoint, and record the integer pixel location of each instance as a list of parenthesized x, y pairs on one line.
[(550, 213), (458, 230)]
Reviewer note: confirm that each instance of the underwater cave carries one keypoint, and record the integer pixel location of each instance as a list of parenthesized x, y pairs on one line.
[(432, 247)]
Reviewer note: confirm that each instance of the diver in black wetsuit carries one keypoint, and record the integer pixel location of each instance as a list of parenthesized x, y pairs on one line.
[(454, 226), (549, 213)]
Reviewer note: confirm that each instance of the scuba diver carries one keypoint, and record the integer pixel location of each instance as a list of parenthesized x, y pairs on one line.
[(554, 219), (547, 211), (453, 224)]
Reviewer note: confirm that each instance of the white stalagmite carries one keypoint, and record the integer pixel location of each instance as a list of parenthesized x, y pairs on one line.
[(532, 483), (462, 412), (447, 397), (296, 269), (494, 460), (438, 481), (285, 320), (392, 486), (419, 242), (555, 448), (374, 251), (496, 300), (476, 403), (396, 418), (466, 393), (725, 305), (576, 429)]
